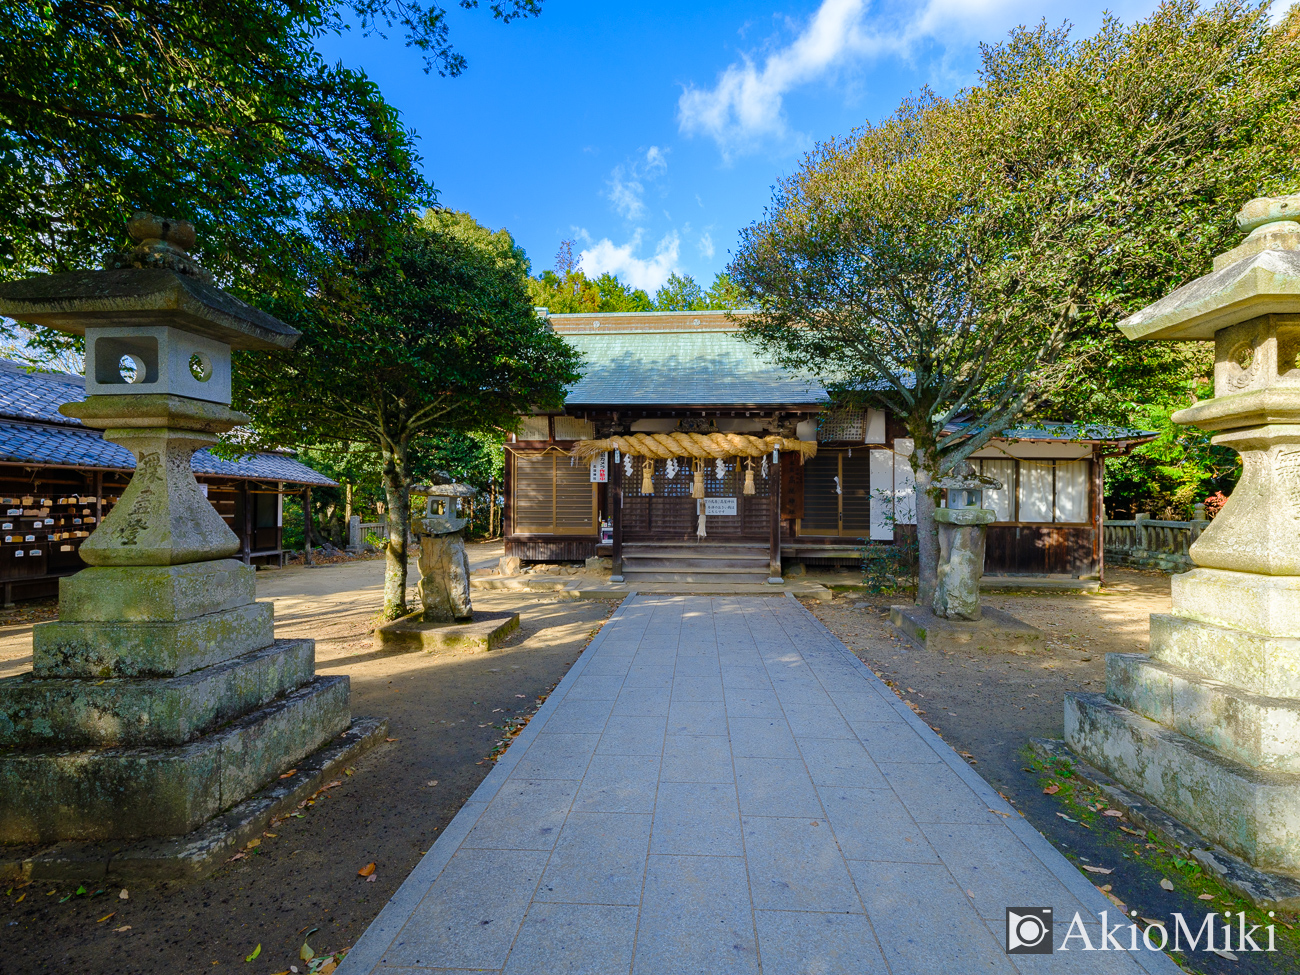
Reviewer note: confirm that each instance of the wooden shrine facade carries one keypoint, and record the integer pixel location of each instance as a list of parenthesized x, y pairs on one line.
[(672, 372)]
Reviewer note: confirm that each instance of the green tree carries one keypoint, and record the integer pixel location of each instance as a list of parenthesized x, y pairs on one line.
[(724, 294), (680, 292), (411, 333), (963, 263), (219, 111)]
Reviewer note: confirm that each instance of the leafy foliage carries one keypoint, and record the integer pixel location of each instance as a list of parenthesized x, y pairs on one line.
[(219, 111), (420, 330), (963, 263)]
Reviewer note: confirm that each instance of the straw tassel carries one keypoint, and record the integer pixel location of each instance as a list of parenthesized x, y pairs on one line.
[(697, 489), (647, 477), (749, 477)]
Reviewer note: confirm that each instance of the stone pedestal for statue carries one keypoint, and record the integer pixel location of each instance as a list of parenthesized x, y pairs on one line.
[(444, 579), (961, 561), (446, 619), (955, 620), (1207, 726), (160, 698)]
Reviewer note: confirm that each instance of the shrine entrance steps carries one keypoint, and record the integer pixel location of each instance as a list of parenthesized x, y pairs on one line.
[(695, 562)]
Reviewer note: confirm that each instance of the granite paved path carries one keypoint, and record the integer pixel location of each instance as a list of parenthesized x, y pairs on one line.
[(718, 786)]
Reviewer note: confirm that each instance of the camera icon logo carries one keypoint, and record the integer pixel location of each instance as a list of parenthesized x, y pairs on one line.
[(1029, 931)]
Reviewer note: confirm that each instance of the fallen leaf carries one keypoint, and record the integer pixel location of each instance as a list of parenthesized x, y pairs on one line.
[(366, 871), (292, 771), (1205, 897), (1152, 922), (1091, 869), (521, 695), (124, 895), (1107, 887), (372, 878), (390, 739), (124, 927), (105, 918), (271, 835), (305, 952), (1115, 900), (256, 951), (1127, 830), (1052, 789), (1113, 812), (254, 843), (328, 967), (1068, 819), (1224, 954), (1166, 884), (20, 898)]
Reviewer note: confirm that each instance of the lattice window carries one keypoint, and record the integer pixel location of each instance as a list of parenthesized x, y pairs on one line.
[(842, 425), (553, 496)]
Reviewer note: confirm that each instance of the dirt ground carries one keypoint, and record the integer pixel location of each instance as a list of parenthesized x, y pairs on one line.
[(446, 713), (988, 705)]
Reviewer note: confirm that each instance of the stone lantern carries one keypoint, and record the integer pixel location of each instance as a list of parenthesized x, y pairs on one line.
[(160, 698), (962, 527), (1207, 726)]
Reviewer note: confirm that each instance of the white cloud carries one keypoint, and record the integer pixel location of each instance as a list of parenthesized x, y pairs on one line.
[(744, 107), (627, 183), (625, 194), (647, 273), (706, 246)]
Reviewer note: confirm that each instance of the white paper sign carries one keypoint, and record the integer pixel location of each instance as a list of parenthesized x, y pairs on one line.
[(600, 469), (719, 506)]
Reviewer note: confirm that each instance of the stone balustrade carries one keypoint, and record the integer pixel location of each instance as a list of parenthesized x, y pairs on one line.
[(1148, 543)]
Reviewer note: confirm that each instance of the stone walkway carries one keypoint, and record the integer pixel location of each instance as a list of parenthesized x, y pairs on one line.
[(718, 786)]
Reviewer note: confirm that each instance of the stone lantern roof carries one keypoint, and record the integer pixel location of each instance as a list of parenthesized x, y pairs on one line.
[(1261, 276)]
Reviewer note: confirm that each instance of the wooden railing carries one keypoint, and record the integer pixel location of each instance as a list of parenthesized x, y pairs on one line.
[(1151, 544)]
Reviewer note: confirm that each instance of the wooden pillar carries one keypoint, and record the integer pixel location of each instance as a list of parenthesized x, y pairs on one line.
[(616, 520), (1099, 513), (774, 549), (306, 526), (247, 542)]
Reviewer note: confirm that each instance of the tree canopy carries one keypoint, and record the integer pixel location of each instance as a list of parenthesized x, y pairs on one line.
[(422, 329), (963, 262), (218, 111), (567, 289)]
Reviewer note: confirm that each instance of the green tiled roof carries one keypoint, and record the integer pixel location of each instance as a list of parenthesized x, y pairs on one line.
[(682, 368)]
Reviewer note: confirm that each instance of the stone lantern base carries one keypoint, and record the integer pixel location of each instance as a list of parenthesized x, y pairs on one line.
[(158, 701), (1207, 725)]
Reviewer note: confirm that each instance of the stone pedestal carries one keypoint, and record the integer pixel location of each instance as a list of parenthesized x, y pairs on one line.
[(961, 561), (994, 631), (1207, 726), (444, 579), (160, 700)]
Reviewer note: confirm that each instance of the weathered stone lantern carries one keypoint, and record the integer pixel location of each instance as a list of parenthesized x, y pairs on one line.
[(444, 567), (160, 698), (962, 527), (1207, 726)]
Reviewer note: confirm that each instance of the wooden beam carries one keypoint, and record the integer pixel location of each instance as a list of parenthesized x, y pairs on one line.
[(774, 543), (616, 520)]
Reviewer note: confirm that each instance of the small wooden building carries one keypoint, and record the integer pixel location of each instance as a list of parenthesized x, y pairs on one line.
[(660, 372), (59, 479)]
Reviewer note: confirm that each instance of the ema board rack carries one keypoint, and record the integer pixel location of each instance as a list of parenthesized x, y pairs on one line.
[(39, 534)]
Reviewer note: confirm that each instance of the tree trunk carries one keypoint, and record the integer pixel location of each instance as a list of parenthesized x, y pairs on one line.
[(927, 536), (397, 490)]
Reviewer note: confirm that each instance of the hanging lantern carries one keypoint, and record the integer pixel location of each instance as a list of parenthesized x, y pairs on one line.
[(697, 489), (749, 477), (647, 476)]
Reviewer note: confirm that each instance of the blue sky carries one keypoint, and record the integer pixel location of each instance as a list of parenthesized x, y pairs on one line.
[(651, 134)]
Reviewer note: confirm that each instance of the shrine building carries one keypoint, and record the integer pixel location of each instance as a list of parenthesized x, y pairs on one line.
[(729, 467)]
